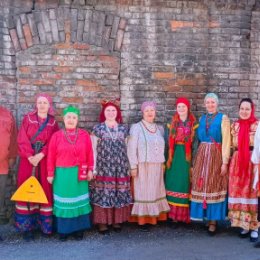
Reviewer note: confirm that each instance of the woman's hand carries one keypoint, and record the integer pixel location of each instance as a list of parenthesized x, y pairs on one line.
[(134, 173), (50, 180), (90, 176), (224, 169), (34, 160)]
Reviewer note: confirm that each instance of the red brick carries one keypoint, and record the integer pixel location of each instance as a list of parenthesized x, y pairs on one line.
[(62, 69), (15, 40), (51, 75), (24, 81), (180, 24), (80, 46), (122, 23), (119, 40), (65, 45), (28, 35), (86, 83), (39, 82), (186, 82), (214, 24), (25, 69), (163, 75), (73, 100)]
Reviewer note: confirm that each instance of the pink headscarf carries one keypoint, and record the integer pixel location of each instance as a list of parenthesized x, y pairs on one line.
[(51, 109), (148, 104)]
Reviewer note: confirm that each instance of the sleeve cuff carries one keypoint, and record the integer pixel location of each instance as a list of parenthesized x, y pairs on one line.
[(50, 174)]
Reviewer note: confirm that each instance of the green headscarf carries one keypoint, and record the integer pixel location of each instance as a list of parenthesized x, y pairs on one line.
[(71, 109)]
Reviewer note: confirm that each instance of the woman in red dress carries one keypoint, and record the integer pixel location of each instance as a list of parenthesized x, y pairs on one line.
[(36, 130), (242, 200)]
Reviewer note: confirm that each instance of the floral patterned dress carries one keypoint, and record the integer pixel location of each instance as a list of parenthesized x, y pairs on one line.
[(110, 191)]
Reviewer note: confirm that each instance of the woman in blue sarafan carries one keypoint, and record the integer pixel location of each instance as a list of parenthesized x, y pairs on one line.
[(209, 177)]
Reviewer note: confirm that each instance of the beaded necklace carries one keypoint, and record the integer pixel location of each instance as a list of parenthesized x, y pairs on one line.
[(209, 120), (150, 127), (68, 139), (113, 136)]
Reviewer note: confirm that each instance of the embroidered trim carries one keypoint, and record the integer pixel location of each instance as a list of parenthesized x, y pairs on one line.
[(70, 200), (242, 201)]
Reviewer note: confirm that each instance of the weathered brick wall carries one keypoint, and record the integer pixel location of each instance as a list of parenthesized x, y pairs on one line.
[(81, 51)]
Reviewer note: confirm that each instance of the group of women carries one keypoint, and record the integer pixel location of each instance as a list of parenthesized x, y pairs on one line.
[(112, 176)]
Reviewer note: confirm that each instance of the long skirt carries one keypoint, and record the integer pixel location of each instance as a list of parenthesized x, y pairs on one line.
[(71, 201), (110, 216), (242, 200), (34, 216), (177, 183), (150, 204), (209, 188)]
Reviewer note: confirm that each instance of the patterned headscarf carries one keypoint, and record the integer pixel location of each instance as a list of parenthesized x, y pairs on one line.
[(51, 109), (244, 140), (173, 129), (148, 104)]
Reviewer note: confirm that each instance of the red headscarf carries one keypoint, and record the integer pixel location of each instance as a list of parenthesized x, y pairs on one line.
[(244, 139), (51, 109), (172, 133), (114, 103)]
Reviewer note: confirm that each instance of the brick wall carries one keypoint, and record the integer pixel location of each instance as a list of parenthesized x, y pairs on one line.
[(81, 51)]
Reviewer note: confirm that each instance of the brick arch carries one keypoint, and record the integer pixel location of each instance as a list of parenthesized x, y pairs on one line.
[(75, 65), (56, 25)]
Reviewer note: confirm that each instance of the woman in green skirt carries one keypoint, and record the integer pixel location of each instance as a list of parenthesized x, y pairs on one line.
[(70, 166), (181, 137)]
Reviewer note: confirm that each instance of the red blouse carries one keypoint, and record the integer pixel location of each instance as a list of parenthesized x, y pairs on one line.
[(63, 153), (29, 128)]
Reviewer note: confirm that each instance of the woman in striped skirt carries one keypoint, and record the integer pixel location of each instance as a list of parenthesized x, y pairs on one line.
[(209, 177)]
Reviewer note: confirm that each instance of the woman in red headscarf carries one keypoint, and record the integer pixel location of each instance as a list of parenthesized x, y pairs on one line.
[(177, 178), (242, 200), (34, 135), (110, 194)]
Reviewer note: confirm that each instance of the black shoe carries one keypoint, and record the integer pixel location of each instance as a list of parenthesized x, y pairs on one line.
[(46, 235), (78, 235), (104, 232), (117, 228), (257, 245), (253, 238), (244, 235), (28, 236), (144, 228), (1, 239), (63, 237)]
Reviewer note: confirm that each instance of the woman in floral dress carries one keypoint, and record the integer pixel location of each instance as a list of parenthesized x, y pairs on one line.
[(110, 194)]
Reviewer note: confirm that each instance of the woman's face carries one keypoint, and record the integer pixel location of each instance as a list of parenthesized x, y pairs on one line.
[(70, 120), (211, 105), (42, 105), (245, 110), (110, 113), (149, 114), (182, 110)]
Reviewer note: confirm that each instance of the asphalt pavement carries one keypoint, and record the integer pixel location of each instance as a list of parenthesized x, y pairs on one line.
[(163, 242)]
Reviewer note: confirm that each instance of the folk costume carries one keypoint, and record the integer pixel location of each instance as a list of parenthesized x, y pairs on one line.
[(33, 137), (69, 151), (110, 190), (209, 188), (242, 200), (146, 154), (177, 176)]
